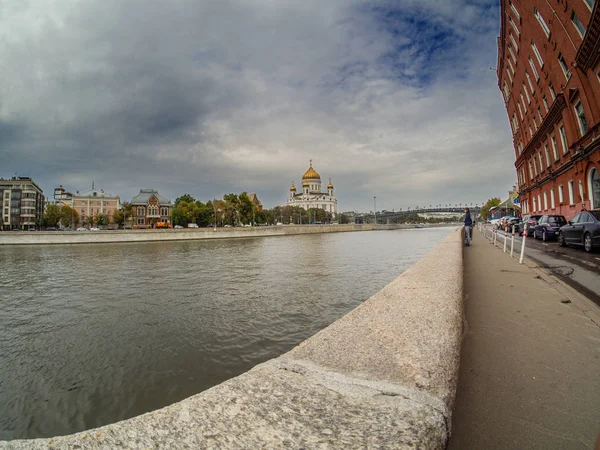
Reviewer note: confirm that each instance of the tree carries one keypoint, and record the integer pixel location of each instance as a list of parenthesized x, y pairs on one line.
[(184, 198), (101, 219), (51, 216), (485, 209), (343, 219), (68, 216), (120, 216), (245, 208)]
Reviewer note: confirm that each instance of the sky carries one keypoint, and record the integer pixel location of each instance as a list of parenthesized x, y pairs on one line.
[(393, 99)]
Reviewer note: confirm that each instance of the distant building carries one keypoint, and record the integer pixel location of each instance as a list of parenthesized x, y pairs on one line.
[(311, 195), (89, 203), (549, 74), (149, 207), (22, 203), (255, 201)]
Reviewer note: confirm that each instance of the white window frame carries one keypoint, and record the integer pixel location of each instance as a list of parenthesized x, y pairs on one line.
[(578, 24), (562, 62), (541, 21), (539, 110), (571, 192), (539, 199), (579, 121), (537, 54), (554, 148), (581, 197), (514, 42), (561, 194), (530, 132), (523, 101), (510, 50), (545, 201), (552, 200), (514, 25), (527, 94), (552, 93), (530, 171), (512, 6), (534, 205), (509, 76), (547, 152), (590, 3), (534, 70), (511, 65), (529, 82), (535, 167), (563, 139), (520, 111), (545, 101), (541, 159)]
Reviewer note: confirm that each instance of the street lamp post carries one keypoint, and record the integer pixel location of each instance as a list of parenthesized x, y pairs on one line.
[(375, 209)]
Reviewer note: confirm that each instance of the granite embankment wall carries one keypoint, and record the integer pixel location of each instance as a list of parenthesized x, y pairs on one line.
[(384, 375), (104, 237)]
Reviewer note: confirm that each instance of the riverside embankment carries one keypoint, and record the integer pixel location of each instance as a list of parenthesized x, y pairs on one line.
[(383, 375), (107, 237)]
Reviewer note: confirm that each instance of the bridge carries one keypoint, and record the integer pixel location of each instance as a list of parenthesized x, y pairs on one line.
[(390, 216)]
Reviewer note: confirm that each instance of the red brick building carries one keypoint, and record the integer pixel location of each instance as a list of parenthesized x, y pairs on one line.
[(549, 75)]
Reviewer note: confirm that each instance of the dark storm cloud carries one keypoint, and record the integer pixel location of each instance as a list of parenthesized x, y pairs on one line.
[(221, 96)]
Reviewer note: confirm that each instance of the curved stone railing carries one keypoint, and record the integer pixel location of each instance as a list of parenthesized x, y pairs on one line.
[(384, 375)]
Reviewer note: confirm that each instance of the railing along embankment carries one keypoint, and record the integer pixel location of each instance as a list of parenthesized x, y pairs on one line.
[(384, 375)]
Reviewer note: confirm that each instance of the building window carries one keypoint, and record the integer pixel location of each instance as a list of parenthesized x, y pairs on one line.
[(552, 203), (547, 155), (534, 204), (564, 66), (571, 193), (514, 25), (552, 93), (535, 167), (545, 201), (509, 76), (583, 126), (534, 70), (577, 23), (539, 202), (563, 139), (530, 132), (529, 81), (511, 66), (140, 221), (540, 19), (520, 111), (590, 3), (512, 39), (523, 102), (581, 197), (515, 11), (530, 171), (561, 194), (545, 101), (554, 148), (527, 95), (506, 91), (535, 125), (540, 115), (537, 54), (541, 161), (140, 211), (510, 50)]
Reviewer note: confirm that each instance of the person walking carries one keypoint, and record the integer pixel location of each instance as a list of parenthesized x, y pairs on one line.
[(468, 226)]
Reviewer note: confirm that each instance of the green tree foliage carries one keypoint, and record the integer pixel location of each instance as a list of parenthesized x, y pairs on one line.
[(101, 219), (68, 216), (245, 208), (122, 215), (187, 198), (485, 209), (51, 216), (343, 219)]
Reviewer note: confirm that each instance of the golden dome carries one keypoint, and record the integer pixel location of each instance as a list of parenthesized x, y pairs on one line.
[(311, 174), (305, 183), (330, 186), (293, 188)]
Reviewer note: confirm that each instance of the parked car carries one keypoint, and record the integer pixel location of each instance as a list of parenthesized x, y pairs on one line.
[(583, 229), (127, 227), (548, 226), (67, 229), (192, 225), (81, 229), (94, 229), (51, 229), (515, 221), (178, 227), (531, 221)]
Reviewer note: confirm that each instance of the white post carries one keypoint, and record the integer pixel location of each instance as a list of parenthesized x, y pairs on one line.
[(523, 244), (505, 241), (495, 230), (512, 241)]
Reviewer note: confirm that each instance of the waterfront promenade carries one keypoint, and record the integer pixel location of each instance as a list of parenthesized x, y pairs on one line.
[(530, 360)]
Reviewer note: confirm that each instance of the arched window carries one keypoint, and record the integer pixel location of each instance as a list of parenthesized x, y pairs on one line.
[(594, 188)]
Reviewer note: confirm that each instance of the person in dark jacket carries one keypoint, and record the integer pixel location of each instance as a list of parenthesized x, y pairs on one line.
[(468, 225)]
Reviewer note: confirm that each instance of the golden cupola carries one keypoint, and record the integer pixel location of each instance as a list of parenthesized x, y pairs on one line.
[(311, 174), (293, 188), (330, 186)]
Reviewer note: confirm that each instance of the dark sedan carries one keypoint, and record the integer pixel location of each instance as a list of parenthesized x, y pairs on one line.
[(582, 230), (548, 227), (531, 222)]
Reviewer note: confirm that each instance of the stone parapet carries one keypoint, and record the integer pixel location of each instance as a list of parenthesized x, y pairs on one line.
[(384, 375)]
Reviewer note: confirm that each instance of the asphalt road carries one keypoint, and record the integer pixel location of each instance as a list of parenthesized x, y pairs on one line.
[(572, 265)]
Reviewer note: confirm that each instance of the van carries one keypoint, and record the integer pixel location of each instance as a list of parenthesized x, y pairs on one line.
[(192, 225)]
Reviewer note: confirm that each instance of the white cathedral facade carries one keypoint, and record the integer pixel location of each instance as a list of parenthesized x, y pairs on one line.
[(311, 195)]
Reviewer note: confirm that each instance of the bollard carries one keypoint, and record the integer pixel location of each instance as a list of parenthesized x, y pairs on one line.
[(523, 244), (495, 235), (512, 241), (504, 241)]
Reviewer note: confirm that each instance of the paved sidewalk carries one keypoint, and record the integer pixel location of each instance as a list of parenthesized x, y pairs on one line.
[(530, 364)]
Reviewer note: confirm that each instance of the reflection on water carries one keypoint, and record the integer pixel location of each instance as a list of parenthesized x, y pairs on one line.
[(93, 334)]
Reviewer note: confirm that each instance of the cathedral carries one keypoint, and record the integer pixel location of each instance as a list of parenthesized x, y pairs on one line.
[(311, 195)]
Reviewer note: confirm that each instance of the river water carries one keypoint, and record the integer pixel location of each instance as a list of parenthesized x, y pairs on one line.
[(93, 334)]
